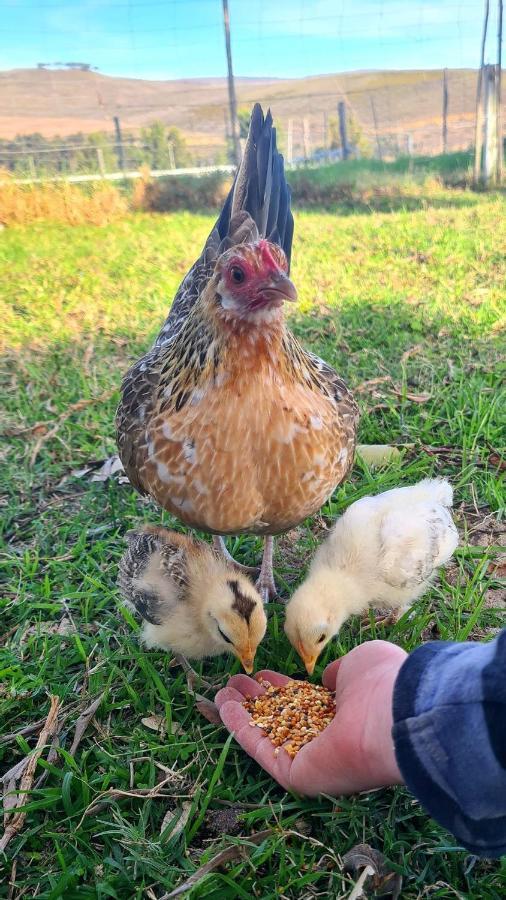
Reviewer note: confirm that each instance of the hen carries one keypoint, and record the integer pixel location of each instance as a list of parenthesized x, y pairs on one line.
[(228, 422), (382, 552), (192, 601)]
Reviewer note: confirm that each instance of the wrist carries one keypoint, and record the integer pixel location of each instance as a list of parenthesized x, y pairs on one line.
[(378, 742)]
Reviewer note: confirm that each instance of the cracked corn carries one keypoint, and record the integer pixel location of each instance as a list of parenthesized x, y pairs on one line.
[(291, 715)]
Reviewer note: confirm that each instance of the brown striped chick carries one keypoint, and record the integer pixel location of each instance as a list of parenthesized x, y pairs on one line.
[(192, 601)]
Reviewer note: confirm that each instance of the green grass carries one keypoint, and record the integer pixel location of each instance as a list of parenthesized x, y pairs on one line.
[(415, 295), (406, 182)]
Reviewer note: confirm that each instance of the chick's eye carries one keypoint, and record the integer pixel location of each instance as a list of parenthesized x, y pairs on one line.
[(321, 638), (237, 274), (224, 636)]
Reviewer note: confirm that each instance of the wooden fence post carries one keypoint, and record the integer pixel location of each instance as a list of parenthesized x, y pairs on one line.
[(341, 111)]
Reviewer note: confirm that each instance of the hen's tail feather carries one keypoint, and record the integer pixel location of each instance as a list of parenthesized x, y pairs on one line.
[(260, 187)]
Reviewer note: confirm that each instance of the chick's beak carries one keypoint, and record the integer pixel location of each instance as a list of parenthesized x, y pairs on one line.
[(276, 289), (308, 659), (247, 658)]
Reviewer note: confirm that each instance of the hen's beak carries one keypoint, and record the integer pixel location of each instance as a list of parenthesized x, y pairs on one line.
[(277, 289), (247, 659), (308, 660)]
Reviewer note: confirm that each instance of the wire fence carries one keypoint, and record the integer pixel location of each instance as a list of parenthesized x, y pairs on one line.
[(70, 120)]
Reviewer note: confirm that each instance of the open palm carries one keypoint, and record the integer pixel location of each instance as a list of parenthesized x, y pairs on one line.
[(355, 752)]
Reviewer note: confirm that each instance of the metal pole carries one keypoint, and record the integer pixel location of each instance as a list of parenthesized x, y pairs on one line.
[(234, 121)]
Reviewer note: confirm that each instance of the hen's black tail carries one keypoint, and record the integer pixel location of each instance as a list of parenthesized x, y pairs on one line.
[(260, 187)]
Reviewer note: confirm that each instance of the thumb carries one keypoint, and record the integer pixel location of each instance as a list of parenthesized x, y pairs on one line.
[(330, 674)]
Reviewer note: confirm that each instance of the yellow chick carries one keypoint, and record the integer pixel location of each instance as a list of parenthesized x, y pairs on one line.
[(193, 602), (383, 552)]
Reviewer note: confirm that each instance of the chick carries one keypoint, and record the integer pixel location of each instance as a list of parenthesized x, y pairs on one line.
[(382, 552), (192, 601)]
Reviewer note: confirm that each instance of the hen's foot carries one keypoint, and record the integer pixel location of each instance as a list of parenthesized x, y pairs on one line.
[(266, 586), (219, 545)]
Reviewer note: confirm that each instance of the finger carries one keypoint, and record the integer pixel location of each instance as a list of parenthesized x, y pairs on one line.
[(330, 674), (253, 740), (236, 718), (274, 678), (248, 687), (226, 694)]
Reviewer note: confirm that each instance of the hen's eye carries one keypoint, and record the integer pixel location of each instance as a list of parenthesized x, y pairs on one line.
[(224, 636), (321, 638), (237, 274)]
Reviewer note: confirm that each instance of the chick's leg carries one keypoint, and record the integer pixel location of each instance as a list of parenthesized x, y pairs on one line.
[(193, 679), (266, 585), (220, 546)]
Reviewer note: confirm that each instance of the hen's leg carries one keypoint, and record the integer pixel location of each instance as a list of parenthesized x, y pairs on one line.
[(266, 585), (219, 545)]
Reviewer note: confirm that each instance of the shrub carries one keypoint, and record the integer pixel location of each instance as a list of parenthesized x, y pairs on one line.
[(95, 204)]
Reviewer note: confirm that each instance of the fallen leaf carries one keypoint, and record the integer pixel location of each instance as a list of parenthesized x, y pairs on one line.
[(63, 627), (229, 854), (497, 461), (415, 398), (412, 351), (154, 723), (178, 817), (378, 454), (498, 567), (208, 709), (371, 383), (375, 866), (109, 467), (14, 818), (159, 723), (83, 722)]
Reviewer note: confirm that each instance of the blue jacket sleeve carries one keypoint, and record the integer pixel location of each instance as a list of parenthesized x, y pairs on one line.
[(449, 731)]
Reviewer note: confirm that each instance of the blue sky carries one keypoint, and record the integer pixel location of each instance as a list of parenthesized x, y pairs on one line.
[(283, 38)]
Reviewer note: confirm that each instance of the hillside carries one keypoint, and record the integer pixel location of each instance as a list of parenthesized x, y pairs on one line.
[(403, 102)]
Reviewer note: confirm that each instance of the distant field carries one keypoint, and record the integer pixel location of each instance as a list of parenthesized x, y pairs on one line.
[(405, 102), (408, 305)]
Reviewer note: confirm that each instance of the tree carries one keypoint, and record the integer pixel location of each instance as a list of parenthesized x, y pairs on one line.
[(159, 140)]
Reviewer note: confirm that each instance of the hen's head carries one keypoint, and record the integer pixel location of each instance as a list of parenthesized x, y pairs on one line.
[(252, 281)]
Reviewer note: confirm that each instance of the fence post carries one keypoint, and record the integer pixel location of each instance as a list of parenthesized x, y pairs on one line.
[(119, 144), (306, 138), (375, 121), (500, 145), (490, 148), (289, 143), (100, 161), (341, 111), (445, 110)]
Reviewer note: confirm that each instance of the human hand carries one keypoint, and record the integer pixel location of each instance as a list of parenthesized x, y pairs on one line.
[(356, 751)]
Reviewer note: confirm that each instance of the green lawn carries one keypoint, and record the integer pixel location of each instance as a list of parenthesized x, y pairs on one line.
[(410, 296)]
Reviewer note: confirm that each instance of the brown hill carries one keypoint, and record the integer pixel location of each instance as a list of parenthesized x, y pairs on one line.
[(61, 102)]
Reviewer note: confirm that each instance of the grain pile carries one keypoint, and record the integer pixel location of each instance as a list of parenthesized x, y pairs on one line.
[(291, 715)]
